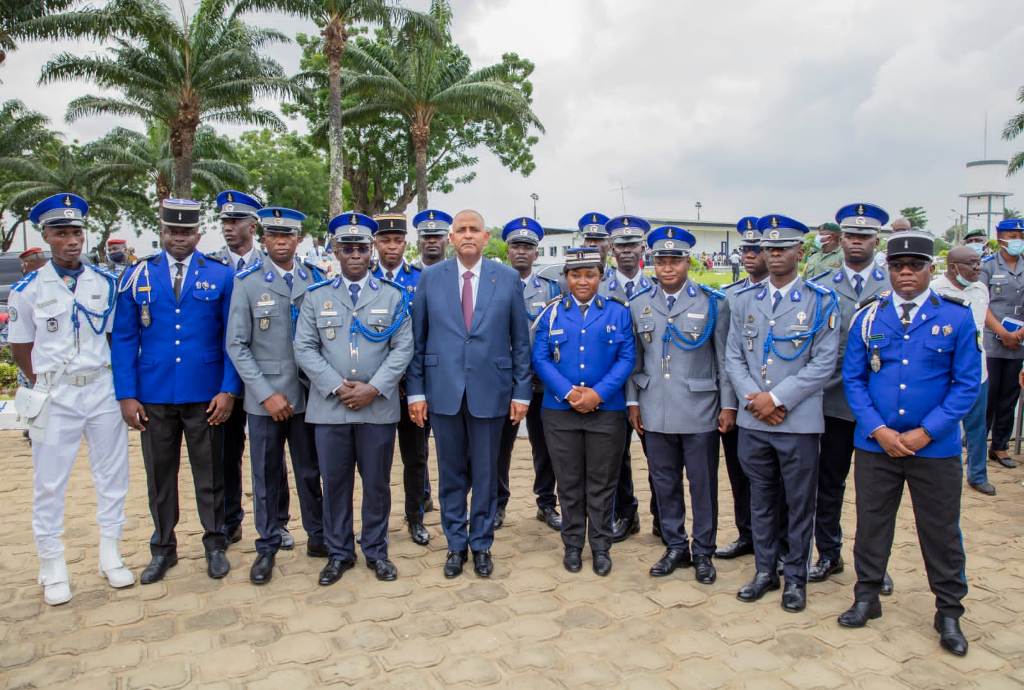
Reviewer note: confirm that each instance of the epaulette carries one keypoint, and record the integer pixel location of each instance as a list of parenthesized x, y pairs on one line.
[(733, 284), (314, 270), (616, 298), (712, 291), (315, 286), (110, 275), (955, 300), (23, 283), (219, 259), (408, 268), (821, 275), (151, 257), (251, 268), (820, 289), (866, 303), (392, 283), (990, 257), (748, 288)]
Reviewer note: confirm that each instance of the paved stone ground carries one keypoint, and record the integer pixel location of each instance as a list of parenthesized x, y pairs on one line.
[(531, 625)]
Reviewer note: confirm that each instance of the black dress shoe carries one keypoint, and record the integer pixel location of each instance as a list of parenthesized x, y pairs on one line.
[(573, 559), (858, 615), (262, 569), (623, 527), (740, 547), (794, 597), (950, 636), (672, 559), (419, 533), (316, 550), (499, 518), (453, 565), (824, 568), (706, 573), (483, 564), (333, 571), (384, 569), (887, 585), (550, 517), (157, 568), (985, 488), (234, 534), (217, 564), (1004, 460), (755, 589), (602, 563)]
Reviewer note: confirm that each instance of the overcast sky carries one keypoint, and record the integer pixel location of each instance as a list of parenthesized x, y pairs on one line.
[(749, 107)]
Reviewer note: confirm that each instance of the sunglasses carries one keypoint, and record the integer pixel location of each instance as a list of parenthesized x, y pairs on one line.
[(355, 249), (750, 250), (915, 265), (971, 264)]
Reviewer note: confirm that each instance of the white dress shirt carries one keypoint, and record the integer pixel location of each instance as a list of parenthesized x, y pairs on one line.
[(282, 271), (976, 296), (898, 302), (474, 281), (865, 274), (250, 257), (398, 269), (623, 279), (172, 268)]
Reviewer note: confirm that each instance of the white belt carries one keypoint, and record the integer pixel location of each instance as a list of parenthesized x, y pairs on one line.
[(81, 379)]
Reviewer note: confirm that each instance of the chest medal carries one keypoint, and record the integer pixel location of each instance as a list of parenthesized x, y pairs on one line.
[(264, 323), (876, 361), (51, 325), (144, 316)]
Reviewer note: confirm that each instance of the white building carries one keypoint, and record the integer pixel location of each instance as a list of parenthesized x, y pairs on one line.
[(985, 199)]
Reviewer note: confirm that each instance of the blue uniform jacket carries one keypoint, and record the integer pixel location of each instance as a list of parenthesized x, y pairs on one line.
[(408, 276), (180, 357), (929, 376), (598, 352)]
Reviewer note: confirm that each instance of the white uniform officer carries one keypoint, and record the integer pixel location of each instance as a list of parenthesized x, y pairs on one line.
[(59, 319)]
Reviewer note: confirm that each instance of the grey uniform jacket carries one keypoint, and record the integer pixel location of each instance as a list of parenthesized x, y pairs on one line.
[(260, 329), (798, 384), (835, 404), (677, 394), (729, 400), (1005, 298), (323, 350), (611, 287)]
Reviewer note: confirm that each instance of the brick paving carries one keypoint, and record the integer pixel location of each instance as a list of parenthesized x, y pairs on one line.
[(531, 625)]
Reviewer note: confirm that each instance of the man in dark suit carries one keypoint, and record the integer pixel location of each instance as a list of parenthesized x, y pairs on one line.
[(471, 369)]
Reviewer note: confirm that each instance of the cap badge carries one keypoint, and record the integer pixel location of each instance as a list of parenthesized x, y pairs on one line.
[(860, 209), (67, 199), (750, 224), (775, 223), (431, 216), (593, 217), (230, 196), (524, 233), (625, 221), (773, 234), (68, 213), (352, 219), (859, 220), (229, 207), (670, 233), (523, 223), (669, 244), (277, 213)]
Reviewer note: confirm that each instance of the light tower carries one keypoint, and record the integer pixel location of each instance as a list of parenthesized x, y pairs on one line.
[(985, 199)]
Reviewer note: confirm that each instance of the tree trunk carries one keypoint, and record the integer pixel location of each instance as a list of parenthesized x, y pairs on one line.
[(183, 141), (420, 135), (163, 187), (334, 46)]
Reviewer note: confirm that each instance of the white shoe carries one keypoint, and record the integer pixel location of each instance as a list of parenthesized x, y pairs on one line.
[(111, 565), (53, 576)]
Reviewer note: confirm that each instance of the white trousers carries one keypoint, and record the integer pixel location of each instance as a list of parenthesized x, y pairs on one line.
[(92, 411)]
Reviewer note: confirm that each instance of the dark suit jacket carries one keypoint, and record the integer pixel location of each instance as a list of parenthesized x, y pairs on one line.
[(490, 364)]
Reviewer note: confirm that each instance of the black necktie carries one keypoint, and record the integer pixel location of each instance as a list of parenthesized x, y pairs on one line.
[(240, 265), (288, 279), (178, 267), (907, 307), (858, 284), (671, 302), (583, 310), (776, 299), (390, 275), (629, 289), (353, 290)]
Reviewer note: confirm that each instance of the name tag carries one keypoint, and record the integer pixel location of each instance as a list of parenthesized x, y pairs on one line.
[(999, 275), (538, 304), (695, 316), (556, 331), (378, 311), (328, 313), (266, 303), (45, 304)]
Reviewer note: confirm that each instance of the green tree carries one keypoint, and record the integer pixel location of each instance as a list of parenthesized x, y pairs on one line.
[(16, 14), (917, 216), (1011, 213), (287, 170), (335, 18), (420, 80), (23, 133), (207, 67), (1012, 130)]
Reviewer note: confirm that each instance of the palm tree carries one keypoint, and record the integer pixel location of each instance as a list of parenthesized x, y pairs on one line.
[(420, 80), (335, 19), (22, 133), (127, 154), (14, 14), (179, 74), (1012, 130)]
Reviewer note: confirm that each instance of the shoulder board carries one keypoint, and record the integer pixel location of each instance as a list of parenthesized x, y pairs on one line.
[(219, 259), (748, 288), (151, 257), (820, 289), (392, 283), (615, 298), (864, 305), (308, 264), (316, 286), (409, 268), (23, 283), (102, 271), (712, 291), (955, 300), (733, 284), (814, 279), (252, 268), (990, 257)]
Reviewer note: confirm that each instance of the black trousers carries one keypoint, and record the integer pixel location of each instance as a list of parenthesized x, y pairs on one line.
[(412, 446), (341, 448), (739, 483), (626, 503), (935, 485), (1003, 391), (231, 453), (667, 457), (586, 451), (161, 454), (775, 462), (833, 467), (270, 477), (543, 474)]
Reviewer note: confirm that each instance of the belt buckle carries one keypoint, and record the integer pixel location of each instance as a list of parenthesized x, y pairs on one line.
[(1017, 310), (79, 380)]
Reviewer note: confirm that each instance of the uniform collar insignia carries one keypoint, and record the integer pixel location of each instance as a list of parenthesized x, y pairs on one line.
[(762, 293), (536, 282), (598, 302), (373, 284), (336, 283), (302, 273), (795, 294), (877, 274), (690, 290), (269, 276), (567, 302), (838, 278)]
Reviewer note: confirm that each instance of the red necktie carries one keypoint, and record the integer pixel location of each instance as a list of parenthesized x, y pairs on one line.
[(467, 299)]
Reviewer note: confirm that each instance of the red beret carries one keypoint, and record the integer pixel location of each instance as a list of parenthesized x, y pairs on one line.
[(116, 241), (29, 252)]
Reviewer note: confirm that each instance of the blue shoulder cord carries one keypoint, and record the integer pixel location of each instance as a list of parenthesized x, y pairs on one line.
[(398, 318), (681, 340), (820, 318), (90, 315)]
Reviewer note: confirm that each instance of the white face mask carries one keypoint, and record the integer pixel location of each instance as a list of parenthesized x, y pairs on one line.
[(977, 247)]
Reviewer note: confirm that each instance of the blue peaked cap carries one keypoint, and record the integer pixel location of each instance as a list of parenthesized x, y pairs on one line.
[(669, 240), (862, 218), (523, 229), (279, 219), (352, 227), (778, 230), (234, 204), (60, 209), (1010, 225), (592, 224)]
